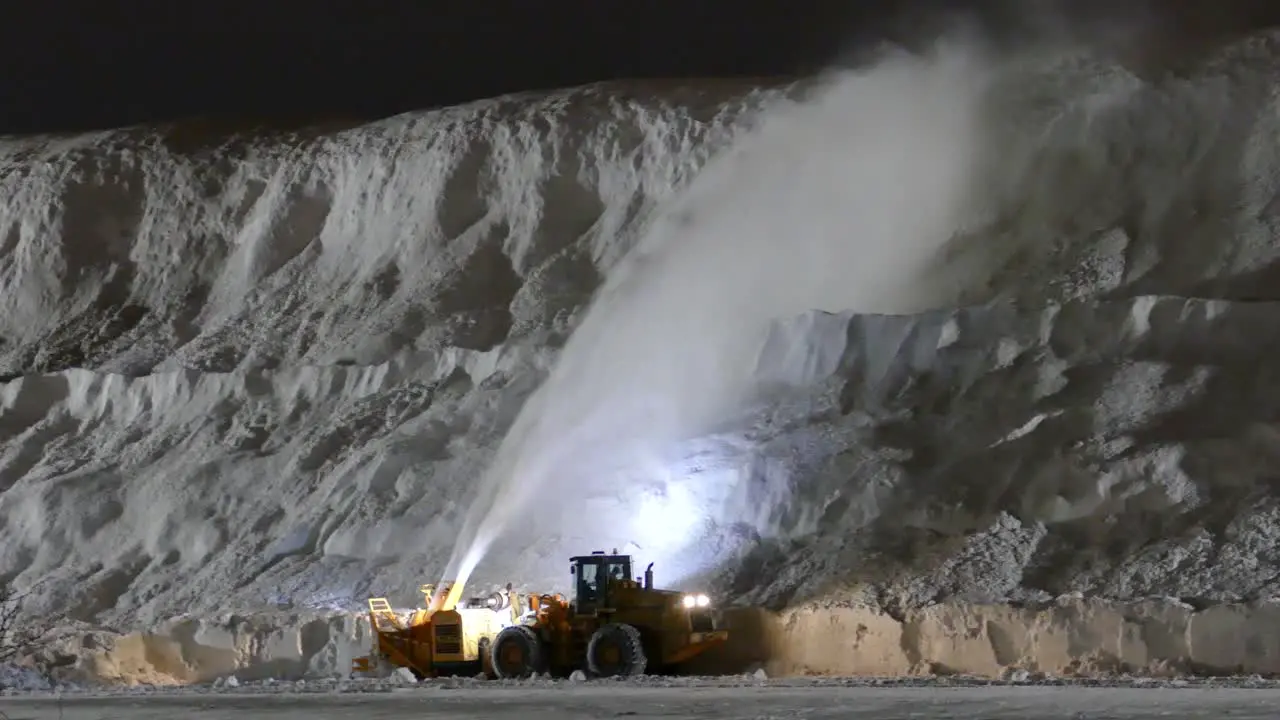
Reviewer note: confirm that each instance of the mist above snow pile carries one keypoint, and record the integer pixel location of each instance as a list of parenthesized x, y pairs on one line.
[(839, 202)]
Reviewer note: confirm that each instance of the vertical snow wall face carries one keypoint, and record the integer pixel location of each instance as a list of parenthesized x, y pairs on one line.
[(272, 368)]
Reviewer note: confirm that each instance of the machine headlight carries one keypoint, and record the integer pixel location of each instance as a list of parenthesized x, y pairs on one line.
[(703, 601), (692, 601)]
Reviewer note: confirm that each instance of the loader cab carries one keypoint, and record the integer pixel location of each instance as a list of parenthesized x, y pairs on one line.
[(591, 575)]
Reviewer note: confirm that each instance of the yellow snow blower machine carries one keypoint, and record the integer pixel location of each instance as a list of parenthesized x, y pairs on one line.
[(614, 625)]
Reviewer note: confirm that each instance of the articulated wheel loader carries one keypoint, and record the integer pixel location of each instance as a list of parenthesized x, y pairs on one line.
[(614, 626)]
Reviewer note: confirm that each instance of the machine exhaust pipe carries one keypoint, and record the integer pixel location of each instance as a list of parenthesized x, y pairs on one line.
[(648, 577)]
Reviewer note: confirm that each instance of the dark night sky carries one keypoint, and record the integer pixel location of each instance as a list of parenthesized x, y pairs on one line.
[(80, 64), (97, 67)]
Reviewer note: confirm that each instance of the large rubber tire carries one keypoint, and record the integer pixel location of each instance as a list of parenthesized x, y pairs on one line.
[(516, 653), (616, 650)]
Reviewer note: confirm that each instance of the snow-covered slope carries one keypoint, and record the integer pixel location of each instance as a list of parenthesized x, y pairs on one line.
[(258, 369), (275, 368), (1122, 449)]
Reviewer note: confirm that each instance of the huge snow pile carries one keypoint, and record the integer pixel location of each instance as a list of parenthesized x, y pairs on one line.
[(267, 369)]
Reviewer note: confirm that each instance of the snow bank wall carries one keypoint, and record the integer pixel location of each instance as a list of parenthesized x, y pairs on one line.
[(1072, 636), (185, 651)]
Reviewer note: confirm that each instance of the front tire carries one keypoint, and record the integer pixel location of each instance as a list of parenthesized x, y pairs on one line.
[(616, 650), (516, 653)]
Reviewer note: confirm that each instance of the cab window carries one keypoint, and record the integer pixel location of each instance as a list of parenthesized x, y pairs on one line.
[(588, 582)]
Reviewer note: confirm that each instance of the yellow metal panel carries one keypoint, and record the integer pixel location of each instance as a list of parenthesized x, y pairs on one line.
[(478, 624)]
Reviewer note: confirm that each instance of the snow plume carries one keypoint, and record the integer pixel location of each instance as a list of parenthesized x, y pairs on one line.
[(838, 202)]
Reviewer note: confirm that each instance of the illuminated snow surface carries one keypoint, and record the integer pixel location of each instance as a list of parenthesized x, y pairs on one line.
[(290, 370)]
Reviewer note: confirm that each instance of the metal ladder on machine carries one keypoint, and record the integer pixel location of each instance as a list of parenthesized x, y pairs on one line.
[(385, 626), (382, 617)]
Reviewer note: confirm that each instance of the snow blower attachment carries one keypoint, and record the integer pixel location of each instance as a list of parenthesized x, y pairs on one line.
[(614, 626), (440, 639)]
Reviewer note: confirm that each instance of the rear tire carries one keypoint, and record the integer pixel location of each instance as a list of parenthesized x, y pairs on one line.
[(616, 650), (516, 653)]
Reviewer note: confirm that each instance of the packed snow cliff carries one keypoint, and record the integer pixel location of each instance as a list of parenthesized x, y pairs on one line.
[(272, 369)]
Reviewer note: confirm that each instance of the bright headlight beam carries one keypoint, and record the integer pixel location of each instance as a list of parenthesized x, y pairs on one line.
[(699, 600)]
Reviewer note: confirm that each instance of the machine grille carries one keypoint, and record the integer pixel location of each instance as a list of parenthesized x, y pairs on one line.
[(448, 639), (702, 621)]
